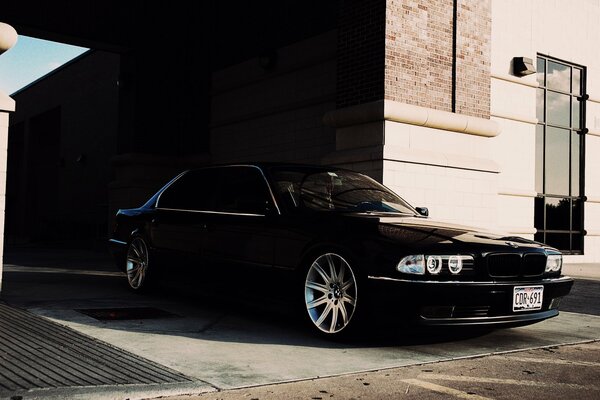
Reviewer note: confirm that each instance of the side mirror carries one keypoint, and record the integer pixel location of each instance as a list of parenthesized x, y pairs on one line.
[(424, 211)]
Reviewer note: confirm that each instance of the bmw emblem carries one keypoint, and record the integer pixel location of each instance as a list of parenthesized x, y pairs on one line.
[(512, 244)]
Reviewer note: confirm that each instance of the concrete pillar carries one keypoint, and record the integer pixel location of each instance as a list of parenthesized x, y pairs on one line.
[(7, 105), (8, 38)]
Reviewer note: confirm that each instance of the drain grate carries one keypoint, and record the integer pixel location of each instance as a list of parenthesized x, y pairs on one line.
[(38, 353), (119, 314)]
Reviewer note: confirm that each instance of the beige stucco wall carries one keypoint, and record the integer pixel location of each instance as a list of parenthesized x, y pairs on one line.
[(560, 29)]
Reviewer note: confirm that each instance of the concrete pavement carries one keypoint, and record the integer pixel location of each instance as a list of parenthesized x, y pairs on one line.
[(231, 343), (558, 372)]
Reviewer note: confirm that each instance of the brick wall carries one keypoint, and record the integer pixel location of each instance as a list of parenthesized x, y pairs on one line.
[(360, 52), (419, 54), (473, 47)]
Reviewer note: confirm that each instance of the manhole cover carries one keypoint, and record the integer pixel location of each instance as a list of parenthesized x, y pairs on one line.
[(117, 314)]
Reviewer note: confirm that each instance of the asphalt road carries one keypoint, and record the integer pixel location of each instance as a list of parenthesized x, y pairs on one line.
[(584, 297), (560, 372)]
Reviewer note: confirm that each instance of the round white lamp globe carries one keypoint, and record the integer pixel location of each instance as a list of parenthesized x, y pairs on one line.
[(8, 37)]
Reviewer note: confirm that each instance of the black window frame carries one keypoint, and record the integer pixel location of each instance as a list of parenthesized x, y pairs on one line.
[(541, 221)]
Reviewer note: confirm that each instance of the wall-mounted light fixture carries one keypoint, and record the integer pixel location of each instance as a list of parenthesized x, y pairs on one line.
[(523, 66), (8, 37)]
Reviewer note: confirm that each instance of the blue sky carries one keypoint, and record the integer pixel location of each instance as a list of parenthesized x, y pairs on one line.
[(31, 59)]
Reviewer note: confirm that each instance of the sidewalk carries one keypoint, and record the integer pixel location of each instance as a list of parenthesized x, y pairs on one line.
[(209, 343)]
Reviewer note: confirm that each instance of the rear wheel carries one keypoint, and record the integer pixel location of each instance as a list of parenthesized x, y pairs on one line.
[(331, 294), (137, 264)]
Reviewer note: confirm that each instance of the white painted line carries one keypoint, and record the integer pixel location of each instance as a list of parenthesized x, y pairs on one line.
[(549, 361), (475, 379), (444, 390), (50, 270)]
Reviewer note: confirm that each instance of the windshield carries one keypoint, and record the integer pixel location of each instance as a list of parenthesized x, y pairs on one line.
[(335, 190)]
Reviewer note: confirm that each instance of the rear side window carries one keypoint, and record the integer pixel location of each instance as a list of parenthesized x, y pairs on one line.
[(193, 191), (240, 190), (243, 190)]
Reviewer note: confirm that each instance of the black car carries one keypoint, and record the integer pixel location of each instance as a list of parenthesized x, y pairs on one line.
[(351, 246)]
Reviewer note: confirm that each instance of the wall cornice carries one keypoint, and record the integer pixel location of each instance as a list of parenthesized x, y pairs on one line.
[(410, 114)]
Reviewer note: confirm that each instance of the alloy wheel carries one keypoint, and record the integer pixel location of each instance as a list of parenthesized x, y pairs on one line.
[(137, 263), (330, 293)]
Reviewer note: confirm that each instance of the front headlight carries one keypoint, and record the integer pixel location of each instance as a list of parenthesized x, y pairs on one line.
[(420, 264), (414, 264), (434, 264), (553, 263), (455, 265)]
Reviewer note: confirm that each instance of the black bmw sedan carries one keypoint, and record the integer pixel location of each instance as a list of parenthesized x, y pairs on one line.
[(351, 246)]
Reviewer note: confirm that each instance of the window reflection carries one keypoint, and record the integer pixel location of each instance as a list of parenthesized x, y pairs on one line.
[(576, 214), (558, 213), (539, 237), (575, 123), (575, 164), (576, 242), (558, 240), (557, 161), (576, 82), (540, 105), (557, 109), (559, 76), (539, 213), (541, 71), (539, 158)]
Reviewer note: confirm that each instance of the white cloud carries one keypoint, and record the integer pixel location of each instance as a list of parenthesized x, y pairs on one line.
[(52, 65)]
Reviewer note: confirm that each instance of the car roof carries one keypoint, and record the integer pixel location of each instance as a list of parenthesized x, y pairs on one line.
[(268, 165)]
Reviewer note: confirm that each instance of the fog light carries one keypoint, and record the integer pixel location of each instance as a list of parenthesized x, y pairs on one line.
[(434, 264), (555, 303), (455, 264)]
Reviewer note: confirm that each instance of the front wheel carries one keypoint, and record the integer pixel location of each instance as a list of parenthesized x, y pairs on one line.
[(137, 264), (330, 294)]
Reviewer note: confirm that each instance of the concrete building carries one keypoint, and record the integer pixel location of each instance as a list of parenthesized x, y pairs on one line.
[(61, 139), (429, 97)]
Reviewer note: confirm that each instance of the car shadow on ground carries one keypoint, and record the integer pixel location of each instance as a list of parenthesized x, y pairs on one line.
[(223, 312), (267, 321), (214, 313)]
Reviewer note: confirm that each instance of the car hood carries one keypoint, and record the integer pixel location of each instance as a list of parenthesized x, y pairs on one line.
[(427, 233)]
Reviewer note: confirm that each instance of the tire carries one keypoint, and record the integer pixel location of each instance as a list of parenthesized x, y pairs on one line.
[(331, 295), (137, 264)]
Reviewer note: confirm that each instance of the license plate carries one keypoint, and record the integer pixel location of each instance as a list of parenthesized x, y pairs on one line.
[(526, 298)]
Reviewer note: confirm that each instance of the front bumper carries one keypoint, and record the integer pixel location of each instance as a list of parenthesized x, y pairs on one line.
[(464, 303)]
